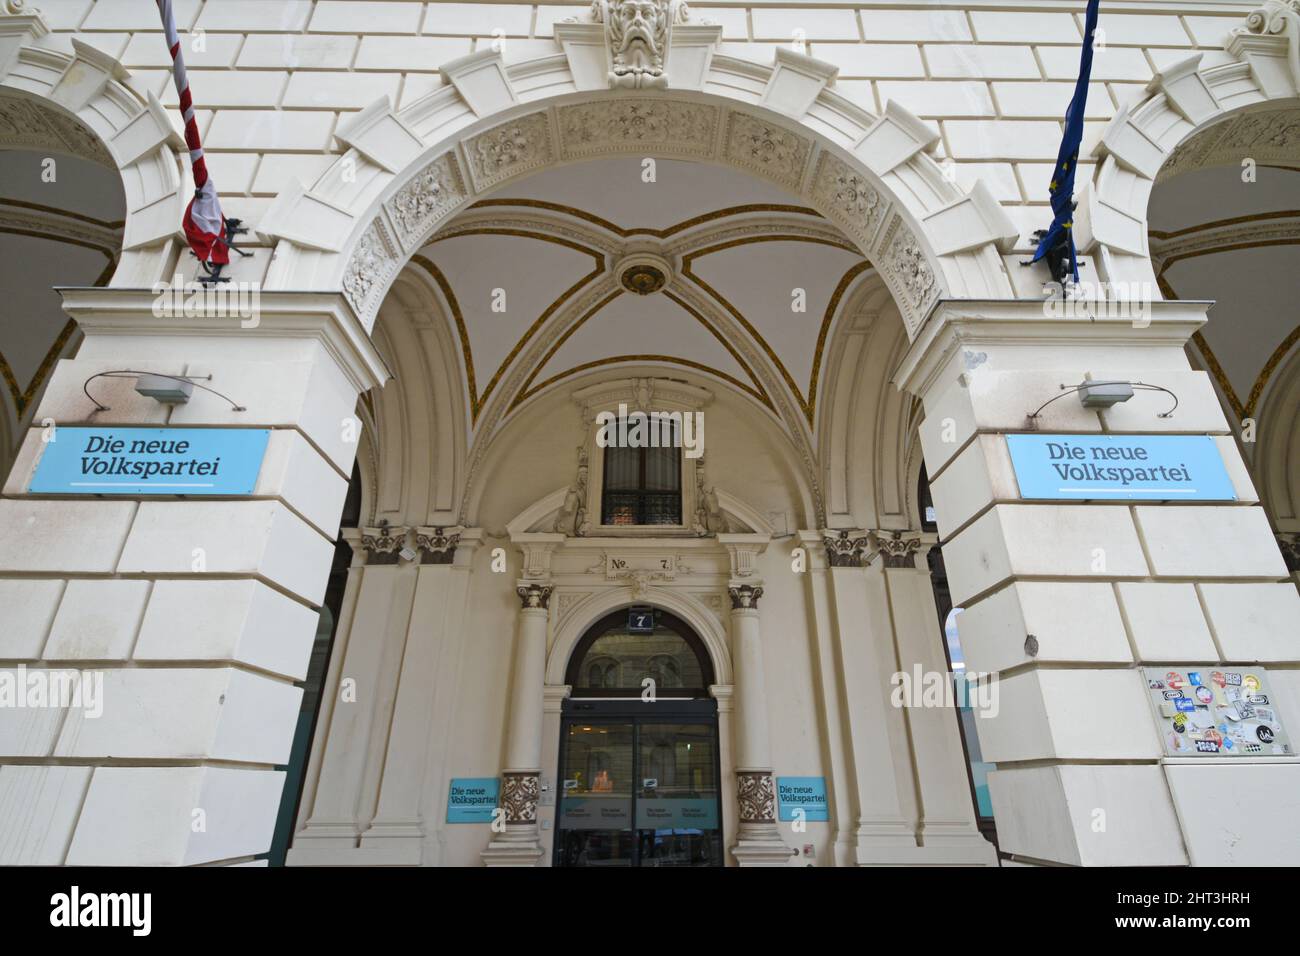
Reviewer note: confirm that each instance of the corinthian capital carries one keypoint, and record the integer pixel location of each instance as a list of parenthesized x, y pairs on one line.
[(847, 548), (898, 548)]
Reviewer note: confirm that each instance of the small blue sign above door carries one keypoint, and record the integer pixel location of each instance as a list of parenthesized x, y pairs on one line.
[(803, 793), (1120, 467), (472, 799), (150, 461)]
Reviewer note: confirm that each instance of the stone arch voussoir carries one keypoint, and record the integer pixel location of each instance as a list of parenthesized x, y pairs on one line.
[(407, 172)]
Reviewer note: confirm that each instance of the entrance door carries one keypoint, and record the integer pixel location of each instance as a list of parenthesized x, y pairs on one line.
[(639, 784)]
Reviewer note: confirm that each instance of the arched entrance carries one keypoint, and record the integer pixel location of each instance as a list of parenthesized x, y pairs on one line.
[(639, 770)]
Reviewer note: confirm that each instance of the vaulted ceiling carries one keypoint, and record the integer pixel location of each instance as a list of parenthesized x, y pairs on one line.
[(545, 280)]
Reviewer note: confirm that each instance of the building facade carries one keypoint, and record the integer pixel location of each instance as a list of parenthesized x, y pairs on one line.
[(457, 616)]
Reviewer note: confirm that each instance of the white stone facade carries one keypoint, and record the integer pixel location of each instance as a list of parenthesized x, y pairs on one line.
[(903, 151)]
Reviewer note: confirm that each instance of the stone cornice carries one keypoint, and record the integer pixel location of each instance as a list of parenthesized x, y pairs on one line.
[(324, 316), (957, 322)]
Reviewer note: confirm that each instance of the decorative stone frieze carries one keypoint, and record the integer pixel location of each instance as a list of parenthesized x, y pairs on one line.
[(509, 149), (419, 204), (30, 125), (373, 263), (847, 195), (672, 127), (767, 148)]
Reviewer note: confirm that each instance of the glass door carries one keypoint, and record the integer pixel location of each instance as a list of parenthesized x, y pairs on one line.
[(639, 786)]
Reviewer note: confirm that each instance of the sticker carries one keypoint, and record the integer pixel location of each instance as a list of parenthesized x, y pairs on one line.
[(1207, 746), (1175, 680), (1194, 678), (1218, 678), (1252, 748), (1264, 733), (1245, 711), (1185, 705), (1173, 694), (1180, 723), (1266, 716), (1232, 677), (1178, 744), (1258, 699), (1251, 683), (1156, 684), (1204, 694), (1227, 743)]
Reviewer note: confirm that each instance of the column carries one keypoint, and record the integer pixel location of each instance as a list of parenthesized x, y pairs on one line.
[(219, 598), (759, 840), (520, 844), (1067, 600), (948, 830), (887, 815)]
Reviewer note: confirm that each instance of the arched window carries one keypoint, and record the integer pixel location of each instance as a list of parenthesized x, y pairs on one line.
[(612, 661)]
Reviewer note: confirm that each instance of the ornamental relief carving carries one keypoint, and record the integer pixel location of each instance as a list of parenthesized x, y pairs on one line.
[(418, 205), (766, 148), (670, 126), (509, 149), (372, 264), (848, 196), (904, 260), (519, 795), (756, 797), (27, 124), (1267, 136)]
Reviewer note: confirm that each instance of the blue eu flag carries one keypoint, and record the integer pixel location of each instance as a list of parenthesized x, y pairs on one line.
[(1067, 160)]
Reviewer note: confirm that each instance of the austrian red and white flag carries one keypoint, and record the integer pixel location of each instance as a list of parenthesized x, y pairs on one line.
[(204, 224)]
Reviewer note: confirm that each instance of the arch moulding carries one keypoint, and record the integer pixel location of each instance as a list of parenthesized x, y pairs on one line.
[(405, 173), (575, 623), (1252, 103), (80, 104)]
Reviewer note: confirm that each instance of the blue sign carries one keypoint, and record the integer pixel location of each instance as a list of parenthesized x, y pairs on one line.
[(472, 799), (150, 461), (803, 793), (1120, 467)]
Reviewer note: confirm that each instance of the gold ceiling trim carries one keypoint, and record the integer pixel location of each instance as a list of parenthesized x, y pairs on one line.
[(1222, 223), (478, 401), (807, 404), (1216, 370), (663, 233), (526, 392), (23, 397)]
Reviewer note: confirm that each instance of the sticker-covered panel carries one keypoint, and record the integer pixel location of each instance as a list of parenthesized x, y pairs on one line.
[(1212, 710)]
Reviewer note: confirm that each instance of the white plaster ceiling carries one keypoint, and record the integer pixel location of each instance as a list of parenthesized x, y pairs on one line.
[(738, 248), (1249, 233)]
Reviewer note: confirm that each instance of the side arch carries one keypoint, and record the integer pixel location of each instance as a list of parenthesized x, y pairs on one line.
[(1246, 103), (79, 103)]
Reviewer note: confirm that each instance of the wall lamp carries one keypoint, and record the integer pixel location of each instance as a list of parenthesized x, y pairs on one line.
[(1107, 395), (166, 389)]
